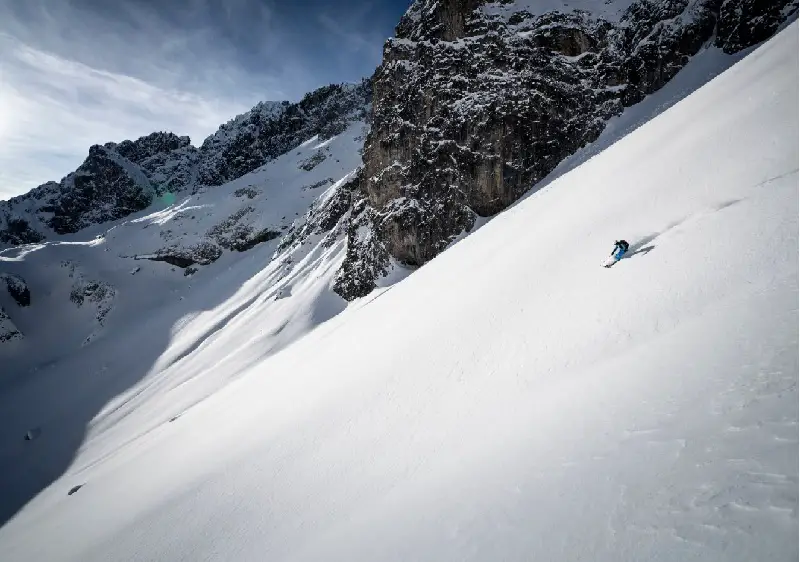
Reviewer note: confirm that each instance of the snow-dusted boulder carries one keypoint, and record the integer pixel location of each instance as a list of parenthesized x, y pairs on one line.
[(8, 331), (17, 288), (203, 253)]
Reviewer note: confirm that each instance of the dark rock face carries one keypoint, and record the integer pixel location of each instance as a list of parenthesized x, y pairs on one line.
[(173, 171), (100, 190), (202, 253), (366, 259), (18, 231), (659, 38), (146, 147), (743, 23), (326, 217), (8, 331), (271, 129), (107, 186), (17, 288), (472, 108)]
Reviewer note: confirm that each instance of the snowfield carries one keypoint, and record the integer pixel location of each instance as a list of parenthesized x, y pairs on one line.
[(511, 400)]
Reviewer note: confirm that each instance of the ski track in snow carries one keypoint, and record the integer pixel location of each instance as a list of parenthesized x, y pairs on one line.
[(510, 400)]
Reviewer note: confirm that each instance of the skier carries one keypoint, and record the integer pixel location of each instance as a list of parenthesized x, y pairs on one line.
[(620, 247)]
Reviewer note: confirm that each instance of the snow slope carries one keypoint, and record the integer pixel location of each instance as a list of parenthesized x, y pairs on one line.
[(104, 320), (510, 400), (272, 197)]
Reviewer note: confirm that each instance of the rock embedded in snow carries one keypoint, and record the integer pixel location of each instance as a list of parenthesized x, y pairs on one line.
[(17, 288), (99, 294), (8, 331), (237, 234), (32, 434), (248, 192), (17, 230), (203, 253)]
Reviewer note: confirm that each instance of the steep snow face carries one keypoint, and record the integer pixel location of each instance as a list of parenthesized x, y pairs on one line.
[(511, 400), (129, 302), (475, 103)]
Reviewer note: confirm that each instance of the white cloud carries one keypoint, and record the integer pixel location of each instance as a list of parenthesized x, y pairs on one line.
[(52, 109), (73, 74)]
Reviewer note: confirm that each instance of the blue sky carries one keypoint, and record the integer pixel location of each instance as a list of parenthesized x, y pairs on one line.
[(79, 72)]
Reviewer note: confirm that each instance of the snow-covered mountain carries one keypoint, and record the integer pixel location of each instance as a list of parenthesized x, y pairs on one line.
[(118, 179), (475, 104), (161, 278), (478, 101), (511, 400), (249, 183)]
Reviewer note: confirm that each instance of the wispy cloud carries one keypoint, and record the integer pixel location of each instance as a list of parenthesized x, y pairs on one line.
[(73, 74), (79, 72), (54, 109)]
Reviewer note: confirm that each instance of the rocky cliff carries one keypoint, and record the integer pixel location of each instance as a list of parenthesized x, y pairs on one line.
[(114, 181), (477, 101), (271, 129), (474, 103)]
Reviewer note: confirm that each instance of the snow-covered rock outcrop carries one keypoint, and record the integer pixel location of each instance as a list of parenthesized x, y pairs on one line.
[(106, 187), (8, 331), (272, 129), (17, 288), (477, 101)]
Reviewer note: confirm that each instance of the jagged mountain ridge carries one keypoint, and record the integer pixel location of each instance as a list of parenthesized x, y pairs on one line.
[(475, 102), (111, 276), (270, 129), (145, 201), (118, 179), (511, 397)]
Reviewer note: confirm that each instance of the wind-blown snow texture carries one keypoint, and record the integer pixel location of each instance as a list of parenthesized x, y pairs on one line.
[(510, 400)]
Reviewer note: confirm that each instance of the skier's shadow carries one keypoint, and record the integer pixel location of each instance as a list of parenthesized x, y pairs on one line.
[(641, 247), (645, 246), (642, 251)]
